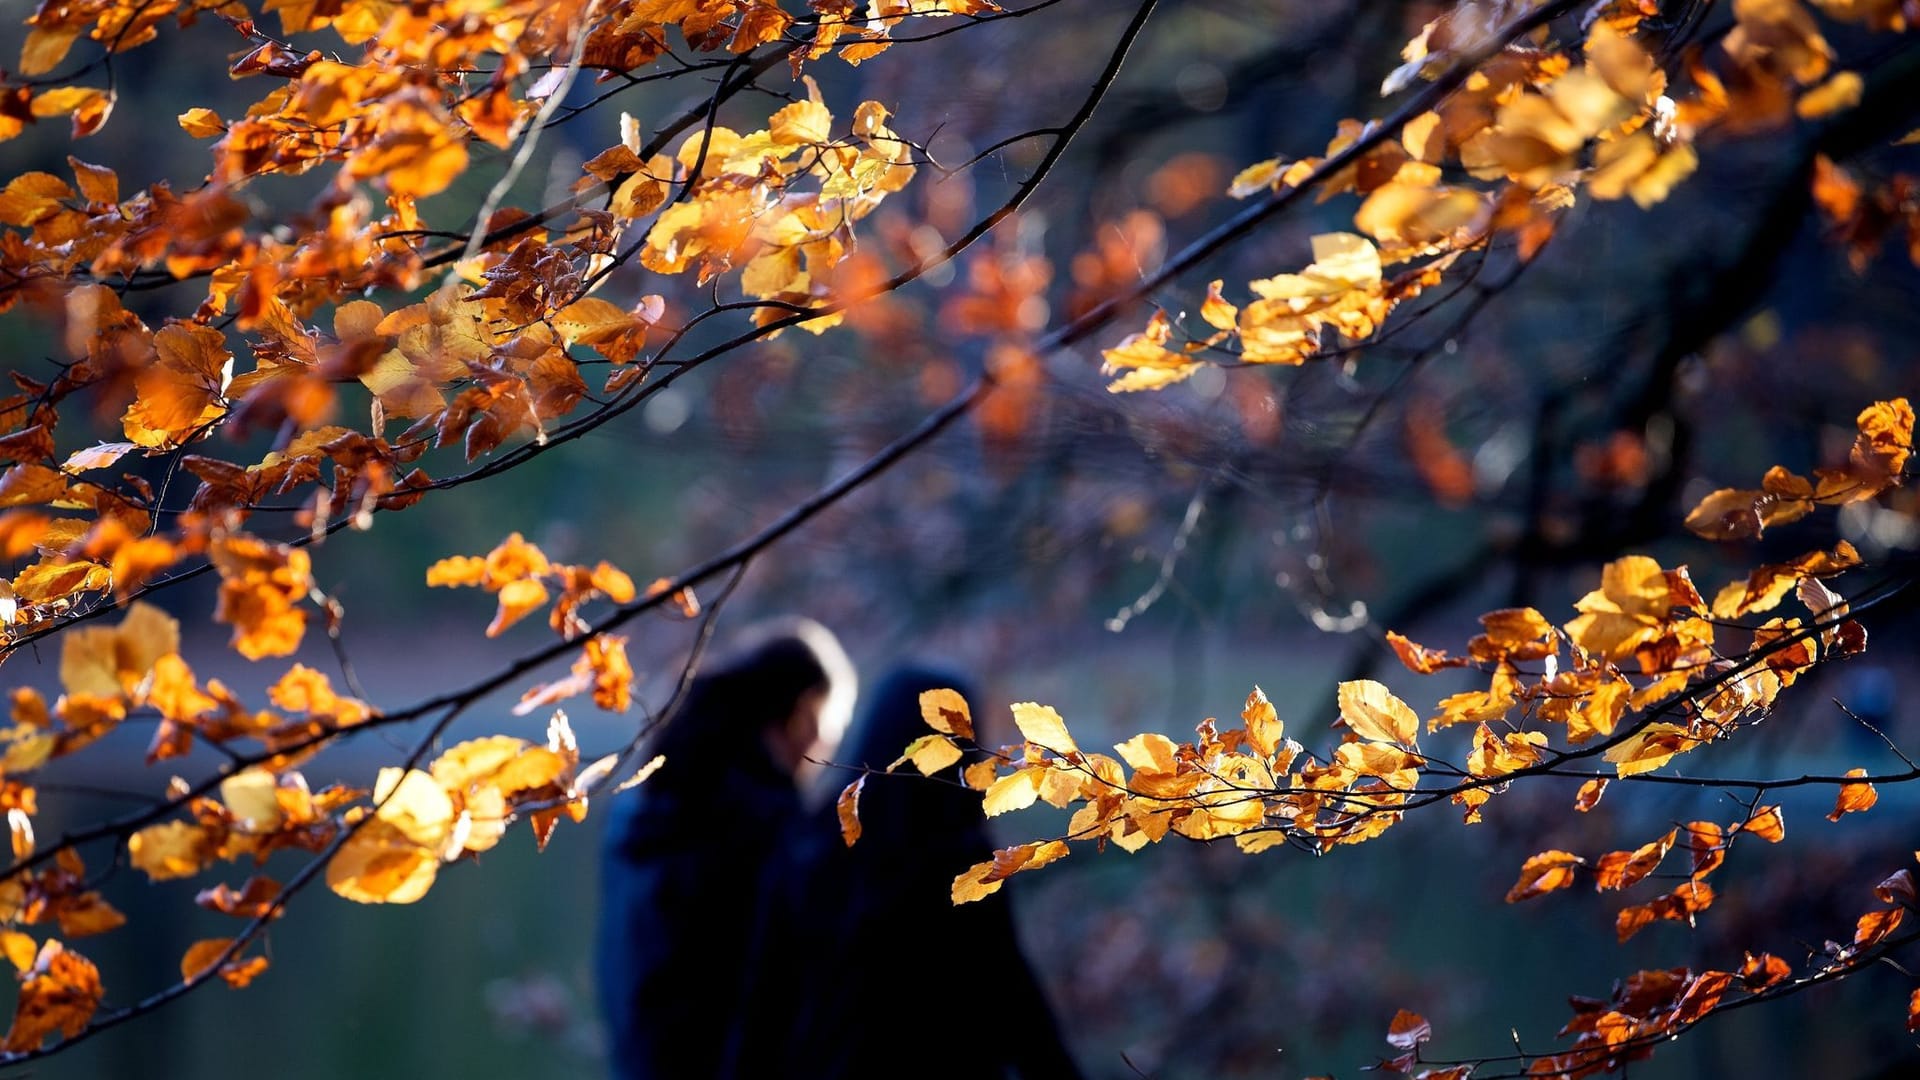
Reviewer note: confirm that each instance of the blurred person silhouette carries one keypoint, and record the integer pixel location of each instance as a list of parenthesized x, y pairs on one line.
[(686, 852), (863, 968)]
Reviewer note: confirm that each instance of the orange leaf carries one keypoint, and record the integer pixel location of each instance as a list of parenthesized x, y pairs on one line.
[(1544, 873), (204, 954), (59, 993), (847, 806), (1589, 796), (1408, 1030), (1760, 972), (1419, 658), (1707, 842), (1874, 926), (1767, 824), (1854, 798), (1619, 869)]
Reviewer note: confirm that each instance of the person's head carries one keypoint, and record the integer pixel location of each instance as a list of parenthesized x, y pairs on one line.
[(786, 684)]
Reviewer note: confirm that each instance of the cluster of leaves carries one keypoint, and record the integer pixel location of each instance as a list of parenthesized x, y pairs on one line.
[(1642, 674), (1534, 127)]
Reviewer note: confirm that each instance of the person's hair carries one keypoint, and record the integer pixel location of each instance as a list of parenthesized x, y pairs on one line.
[(756, 687)]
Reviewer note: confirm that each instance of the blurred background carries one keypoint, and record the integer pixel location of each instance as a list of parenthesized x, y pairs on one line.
[(1140, 562)]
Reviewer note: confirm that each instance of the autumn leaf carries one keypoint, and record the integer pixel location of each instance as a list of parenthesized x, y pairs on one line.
[(379, 864), (203, 955), (59, 993), (1875, 926), (1372, 712), (1854, 798), (929, 754), (1767, 824), (945, 711), (1043, 727), (1650, 748), (1544, 873), (260, 585), (1015, 791), (172, 849), (1589, 795), (182, 394), (847, 809)]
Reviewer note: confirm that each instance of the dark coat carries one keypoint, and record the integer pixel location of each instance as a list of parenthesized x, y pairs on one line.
[(684, 858), (864, 968)]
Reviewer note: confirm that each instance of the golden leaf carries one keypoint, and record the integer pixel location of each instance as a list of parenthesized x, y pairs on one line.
[(1650, 748), (250, 795), (1043, 727), (1837, 94), (946, 711), (172, 849), (1149, 753), (1854, 798), (58, 993), (1372, 712), (1544, 873), (929, 754), (415, 805), (1014, 791), (379, 865), (1264, 726), (1767, 824)]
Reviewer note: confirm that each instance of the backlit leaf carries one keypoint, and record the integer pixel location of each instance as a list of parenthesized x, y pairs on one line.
[(1042, 726), (1372, 712), (847, 808), (1854, 798)]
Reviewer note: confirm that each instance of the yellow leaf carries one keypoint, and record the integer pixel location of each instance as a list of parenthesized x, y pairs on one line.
[(416, 806), (974, 884), (591, 319), (45, 47), (1544, 873), (801, 123), (28, 753), (1835, 95), (946, 711), (1149, 753), (1371, 710), (929, 754), (251, 795), (379, 865), (518, 599), (1650, 748), (202, 123), (1042, 726), (466, 763), (20, 948), (1218, 313), (1263, 722), (172, 849), (1014, 791)]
